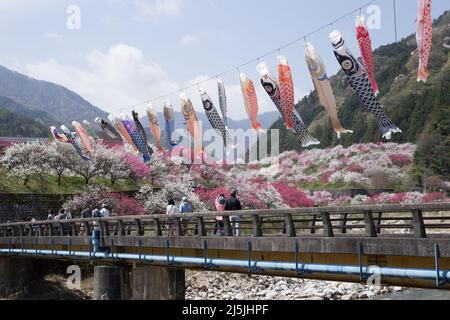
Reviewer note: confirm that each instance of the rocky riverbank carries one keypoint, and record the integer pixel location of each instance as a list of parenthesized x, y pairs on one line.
[(226, 286)]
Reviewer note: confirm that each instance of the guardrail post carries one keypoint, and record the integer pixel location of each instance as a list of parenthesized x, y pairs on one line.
[(379, 217), (201, 227), (256, 224), (370, 225), (227, 226), (419, 226), (327, 226), (290, 226), (158, 230)]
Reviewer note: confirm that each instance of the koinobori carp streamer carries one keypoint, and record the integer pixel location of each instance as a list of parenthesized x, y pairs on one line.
[(75, 143), (138, 141), (169, 118), (154, 128), (108, 128), (360, 83), (322, 85), (214, 118), (271, 86), (250, 101), (59, 136), (424, 37), (120, 127), (365, 46), (84, 137), (287, 93), (223, 102), (192, 124), (90, 130), (141, 130)]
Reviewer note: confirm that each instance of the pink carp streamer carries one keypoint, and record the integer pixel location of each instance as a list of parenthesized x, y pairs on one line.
[(365, 46), (84, 137), (120, 127), (323, 88), (192, 124), (250, 101), (287, 92), (424, 37), (155, 128)]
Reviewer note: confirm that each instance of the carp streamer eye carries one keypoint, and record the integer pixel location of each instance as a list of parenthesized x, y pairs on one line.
[(347, 64), (208, 105)]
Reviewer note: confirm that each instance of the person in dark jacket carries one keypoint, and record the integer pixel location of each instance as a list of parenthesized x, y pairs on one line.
[(233, 204)]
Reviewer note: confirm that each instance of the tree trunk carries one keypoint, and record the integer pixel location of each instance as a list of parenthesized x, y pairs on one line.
[(26, 180), (59, 180)]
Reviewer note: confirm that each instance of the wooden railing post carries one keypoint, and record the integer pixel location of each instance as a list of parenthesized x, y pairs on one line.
[(290, 227), (256, 224), (120, 226), (312, 224), (419, 226), (370, 224), (139, 230), (327, 226), (87, 228), (201, 227), (227, 226), (158, 230), (179, 227), (379, 217), (343, 223)]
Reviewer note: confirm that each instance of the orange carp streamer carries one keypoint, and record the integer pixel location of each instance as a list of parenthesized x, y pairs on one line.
[(287, 92), (155, 128), (250, 101), (192, 124), (84, 137)]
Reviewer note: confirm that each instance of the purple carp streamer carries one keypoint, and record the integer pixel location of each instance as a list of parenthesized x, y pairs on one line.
[(272, 88), (75, 143), (169, 118), (323, 88), (361, 84), (138, 141), (108, 129), (214, 118), (424, 37), (141, 131), (223, 102), (59, 136)]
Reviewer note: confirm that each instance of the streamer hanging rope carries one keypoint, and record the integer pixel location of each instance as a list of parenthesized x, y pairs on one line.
[(252, 61)]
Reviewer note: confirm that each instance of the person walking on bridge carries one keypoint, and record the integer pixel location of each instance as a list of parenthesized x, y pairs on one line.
[(233, 204), (171, 210)]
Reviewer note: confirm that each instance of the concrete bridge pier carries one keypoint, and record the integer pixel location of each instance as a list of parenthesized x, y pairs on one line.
[(111, 283), (157, 283), (16, 275)]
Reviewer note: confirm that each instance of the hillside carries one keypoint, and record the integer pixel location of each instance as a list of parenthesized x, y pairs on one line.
[(60, 103), (15, 125), (416, 108)]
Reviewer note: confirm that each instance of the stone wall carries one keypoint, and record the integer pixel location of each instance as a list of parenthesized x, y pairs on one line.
[(24, 207)]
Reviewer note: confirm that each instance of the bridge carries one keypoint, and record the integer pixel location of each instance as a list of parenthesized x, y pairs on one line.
[(145, 257)]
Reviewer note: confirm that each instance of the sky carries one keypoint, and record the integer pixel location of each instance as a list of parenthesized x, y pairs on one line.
[(120, 53)]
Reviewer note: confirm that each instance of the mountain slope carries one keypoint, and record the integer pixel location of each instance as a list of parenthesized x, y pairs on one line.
[(60, 103), (36, 115), (415, 107), (14, 125)]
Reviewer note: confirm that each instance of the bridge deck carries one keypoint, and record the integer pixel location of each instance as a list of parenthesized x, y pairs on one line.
[(389, 236)]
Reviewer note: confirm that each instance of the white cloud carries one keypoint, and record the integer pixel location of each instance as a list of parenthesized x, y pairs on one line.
[(154, 9), (52, 36), (112, 80), (189, 39)]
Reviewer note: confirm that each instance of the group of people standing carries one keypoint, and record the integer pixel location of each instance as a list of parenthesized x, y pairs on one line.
[(64, 214), (222, 204)]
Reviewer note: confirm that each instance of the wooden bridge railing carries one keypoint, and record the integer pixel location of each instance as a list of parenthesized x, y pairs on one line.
[(418, 221)]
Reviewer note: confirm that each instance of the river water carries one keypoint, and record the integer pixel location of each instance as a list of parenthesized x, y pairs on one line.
[(416, 294)]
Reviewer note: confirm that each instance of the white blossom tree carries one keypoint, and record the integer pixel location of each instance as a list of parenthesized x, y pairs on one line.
[(24, 160)]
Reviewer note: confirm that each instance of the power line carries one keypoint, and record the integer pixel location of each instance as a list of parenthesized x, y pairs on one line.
[(255, 60)]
